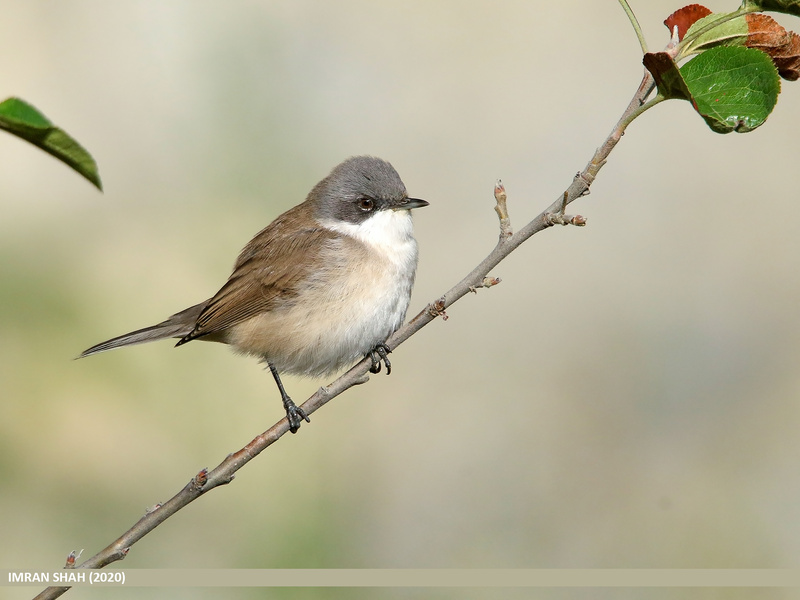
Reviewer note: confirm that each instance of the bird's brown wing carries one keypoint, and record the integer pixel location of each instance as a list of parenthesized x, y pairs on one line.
[(267, 272)]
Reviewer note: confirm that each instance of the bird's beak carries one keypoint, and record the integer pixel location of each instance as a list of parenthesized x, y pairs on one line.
[(409, 203)]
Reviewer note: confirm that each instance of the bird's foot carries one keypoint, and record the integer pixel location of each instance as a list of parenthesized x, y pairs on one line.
[(376, 355), (294, 414)]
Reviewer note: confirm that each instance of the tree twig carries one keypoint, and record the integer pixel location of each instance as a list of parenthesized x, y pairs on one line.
[(508, 241)]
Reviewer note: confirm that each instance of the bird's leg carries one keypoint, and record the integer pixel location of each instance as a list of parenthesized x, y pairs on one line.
[(294, 413), (376, 355)]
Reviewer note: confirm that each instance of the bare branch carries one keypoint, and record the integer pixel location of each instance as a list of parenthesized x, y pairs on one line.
[(509, 241)]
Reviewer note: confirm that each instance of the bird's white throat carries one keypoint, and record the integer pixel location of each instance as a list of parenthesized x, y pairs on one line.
[(389, 232)]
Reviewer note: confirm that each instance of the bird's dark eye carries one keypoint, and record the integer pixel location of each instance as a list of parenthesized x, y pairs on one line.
[(366, 204)]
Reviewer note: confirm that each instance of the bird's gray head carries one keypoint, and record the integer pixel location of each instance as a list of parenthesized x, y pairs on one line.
[(359, 188)]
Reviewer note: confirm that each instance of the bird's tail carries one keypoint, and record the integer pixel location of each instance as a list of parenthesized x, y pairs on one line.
[(177, 326)]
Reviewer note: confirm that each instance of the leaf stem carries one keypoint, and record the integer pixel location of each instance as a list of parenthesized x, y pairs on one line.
[(634, 21), (628, 119)]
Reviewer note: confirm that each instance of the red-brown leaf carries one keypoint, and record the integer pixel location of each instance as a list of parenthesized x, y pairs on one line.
[(685, 17), (789, 64), (767, 35)]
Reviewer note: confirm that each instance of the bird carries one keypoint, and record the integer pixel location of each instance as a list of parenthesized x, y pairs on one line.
[(320, 288)]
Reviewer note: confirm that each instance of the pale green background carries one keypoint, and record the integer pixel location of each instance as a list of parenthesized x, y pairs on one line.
[(627, 397)]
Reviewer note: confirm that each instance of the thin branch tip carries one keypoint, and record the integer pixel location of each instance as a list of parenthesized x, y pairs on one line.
[(501, 208), (115, 555), (361, 380), (436, 309), (71, 558), (499, 190), (487, 282), (562, 219), (200, 479)]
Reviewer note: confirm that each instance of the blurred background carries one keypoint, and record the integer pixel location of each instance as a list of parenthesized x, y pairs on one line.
[(627, 397)]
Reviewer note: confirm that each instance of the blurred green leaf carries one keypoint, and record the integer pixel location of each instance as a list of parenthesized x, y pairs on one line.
[(790, 7), (733, 88), (23, 120)]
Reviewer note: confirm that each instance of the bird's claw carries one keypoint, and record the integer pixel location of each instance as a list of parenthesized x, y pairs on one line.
[(377, 354), (295, 415)]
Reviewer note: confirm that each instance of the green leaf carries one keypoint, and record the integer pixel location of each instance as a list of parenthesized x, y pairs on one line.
[(790, 7), (733, 88), (23, 120), (729, 31)]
